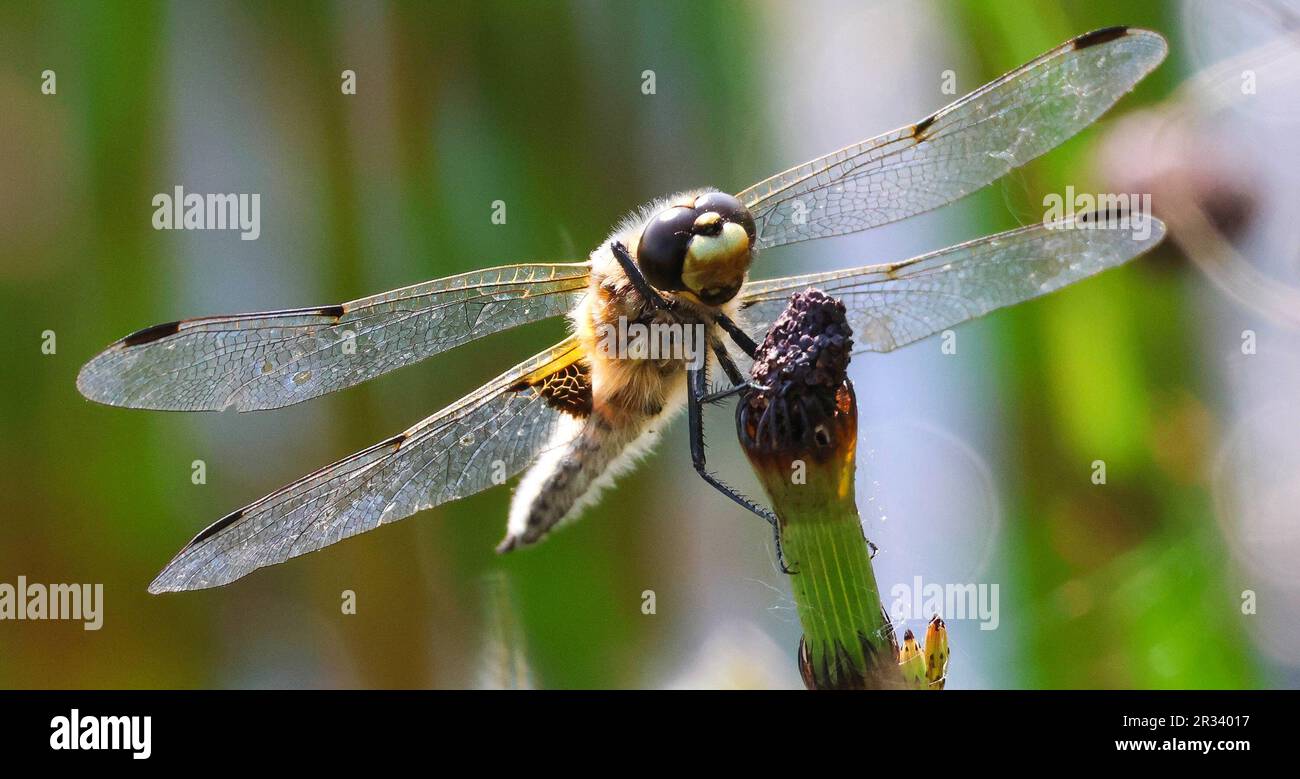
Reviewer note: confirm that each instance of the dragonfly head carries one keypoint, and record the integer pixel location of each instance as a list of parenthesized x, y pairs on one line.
[(702, 245)]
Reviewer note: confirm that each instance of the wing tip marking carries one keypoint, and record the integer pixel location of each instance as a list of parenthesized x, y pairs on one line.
[(157, 586), (214, 528), (1098, 37), (151, 334)]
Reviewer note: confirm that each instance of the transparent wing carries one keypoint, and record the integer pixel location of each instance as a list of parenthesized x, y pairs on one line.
[(895, 304), (278, 358), (958, 150), (467, 447)]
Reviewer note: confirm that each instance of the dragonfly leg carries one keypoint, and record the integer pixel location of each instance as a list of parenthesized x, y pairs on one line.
[(655, 300), (728, 365), (696, 379), (723, 394), (738, 382), (649, 293), (738, 336)]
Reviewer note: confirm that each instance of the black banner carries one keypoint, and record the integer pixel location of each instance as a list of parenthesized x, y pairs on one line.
[(306, 728)]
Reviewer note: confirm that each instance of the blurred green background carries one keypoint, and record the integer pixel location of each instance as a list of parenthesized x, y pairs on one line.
[(540, 105)]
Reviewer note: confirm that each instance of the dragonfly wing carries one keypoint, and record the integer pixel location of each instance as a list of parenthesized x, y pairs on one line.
[(475, 443), (895, 304), (278, 358), (958, 150)]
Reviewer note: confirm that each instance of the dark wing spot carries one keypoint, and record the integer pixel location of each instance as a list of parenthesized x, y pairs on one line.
[(1097, 37), (567, 389), (151, 334), (918, 129), (332, 311), (216, 527)]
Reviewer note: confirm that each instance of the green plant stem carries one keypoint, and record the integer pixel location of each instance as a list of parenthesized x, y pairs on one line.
[(848, 639), (835, 589)]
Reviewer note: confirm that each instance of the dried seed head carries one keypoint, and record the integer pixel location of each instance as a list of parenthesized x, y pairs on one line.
[(808, 348), (801, 373)]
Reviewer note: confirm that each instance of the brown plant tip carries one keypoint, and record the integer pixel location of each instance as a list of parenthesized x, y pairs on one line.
[(800, 375)]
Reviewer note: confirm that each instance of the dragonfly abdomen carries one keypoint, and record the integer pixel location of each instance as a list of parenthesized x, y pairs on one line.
[(584, 457)]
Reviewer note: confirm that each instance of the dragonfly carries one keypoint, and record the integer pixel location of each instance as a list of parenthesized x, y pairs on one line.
[(574, 416)]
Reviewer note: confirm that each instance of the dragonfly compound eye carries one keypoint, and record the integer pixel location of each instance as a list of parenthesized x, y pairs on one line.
[(727, 207), (662, 250)]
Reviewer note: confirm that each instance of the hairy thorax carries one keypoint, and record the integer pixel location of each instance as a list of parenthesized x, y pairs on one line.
[(628, 390)]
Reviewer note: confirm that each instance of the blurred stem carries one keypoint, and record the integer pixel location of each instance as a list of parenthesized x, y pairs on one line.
[(505, 656)]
